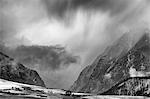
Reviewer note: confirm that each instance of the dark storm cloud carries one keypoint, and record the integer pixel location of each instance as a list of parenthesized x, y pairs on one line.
[(60, 7), (42, 57), (56, 7), (114, 6)]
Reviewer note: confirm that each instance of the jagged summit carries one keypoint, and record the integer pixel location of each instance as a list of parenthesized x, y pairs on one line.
[(125, 58), (144, 44), (119, 47)]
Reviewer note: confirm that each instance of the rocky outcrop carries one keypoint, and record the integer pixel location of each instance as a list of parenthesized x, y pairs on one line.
[(13, 71), (122, 60), (134, 86)]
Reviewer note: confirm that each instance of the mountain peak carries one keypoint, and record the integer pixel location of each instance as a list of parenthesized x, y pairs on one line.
[(128, 56), (119, 47), (144, 42)]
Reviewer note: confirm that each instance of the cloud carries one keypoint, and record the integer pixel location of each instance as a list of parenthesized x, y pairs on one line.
[(15, 15), (6, 24), (60, 7), (43, 58)]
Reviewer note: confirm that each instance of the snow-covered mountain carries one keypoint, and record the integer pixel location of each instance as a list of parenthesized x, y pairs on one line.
[(122, 60)]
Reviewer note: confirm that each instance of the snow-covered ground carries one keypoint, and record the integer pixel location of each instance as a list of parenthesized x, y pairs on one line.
[(9, 88), (14, 90), (115, 97)]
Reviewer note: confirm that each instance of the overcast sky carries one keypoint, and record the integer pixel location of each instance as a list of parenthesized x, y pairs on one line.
[(84, 27)]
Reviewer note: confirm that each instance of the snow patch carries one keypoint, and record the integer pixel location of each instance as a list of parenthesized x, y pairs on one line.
[(108, 75), (134, 73)]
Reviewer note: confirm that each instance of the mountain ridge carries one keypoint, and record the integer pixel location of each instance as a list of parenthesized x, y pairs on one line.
[(14, 71), (120, 61)]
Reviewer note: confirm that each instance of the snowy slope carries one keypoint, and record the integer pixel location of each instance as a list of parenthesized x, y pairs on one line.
[(9, 88)]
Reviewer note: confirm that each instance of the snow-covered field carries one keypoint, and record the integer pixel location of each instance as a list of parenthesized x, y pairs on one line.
[(91, 97), (13, 90), (115, 97)]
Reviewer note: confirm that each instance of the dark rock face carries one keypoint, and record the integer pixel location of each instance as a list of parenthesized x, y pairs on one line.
[(13, 71), (134, 86), (118, 62)]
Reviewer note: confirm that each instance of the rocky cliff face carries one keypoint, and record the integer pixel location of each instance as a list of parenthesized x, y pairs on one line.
[(120, 61), (13, 71), (134, 86)]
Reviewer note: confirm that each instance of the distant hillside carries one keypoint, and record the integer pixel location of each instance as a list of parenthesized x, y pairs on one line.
[(13, 71)]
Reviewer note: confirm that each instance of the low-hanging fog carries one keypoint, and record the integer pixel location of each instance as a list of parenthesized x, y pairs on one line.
[(71, 32)]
